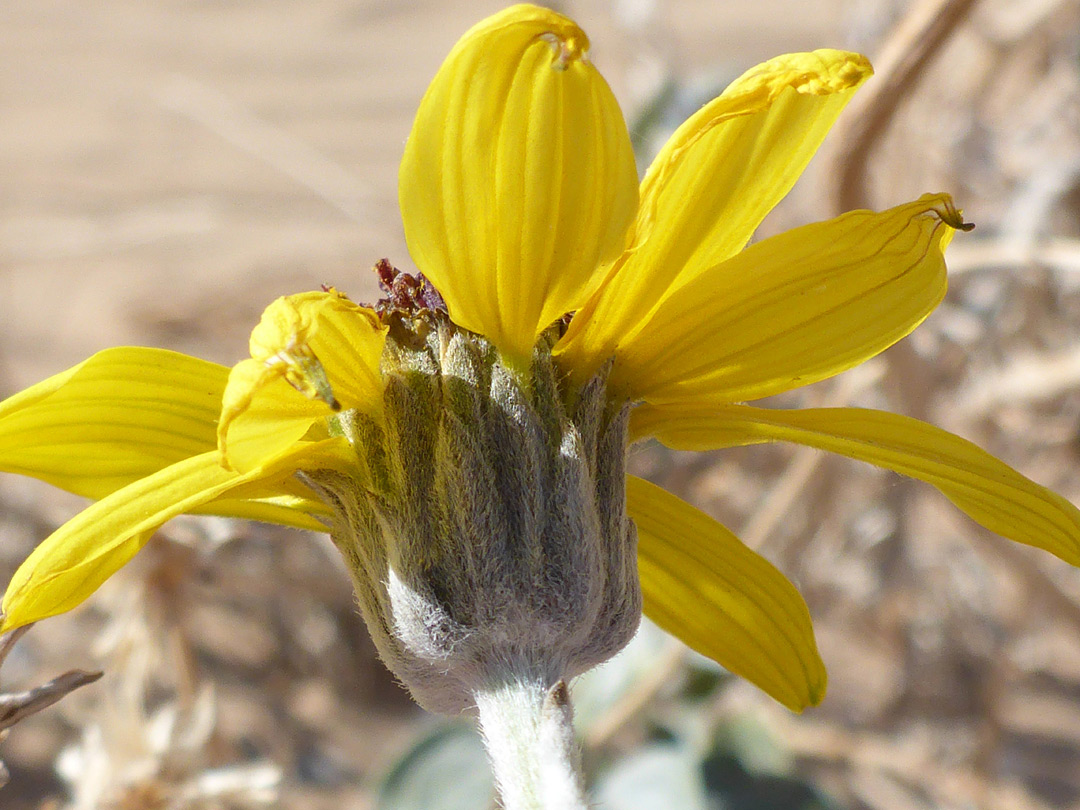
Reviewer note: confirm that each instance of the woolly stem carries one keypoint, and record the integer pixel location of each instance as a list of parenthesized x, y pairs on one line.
[(529, 732)]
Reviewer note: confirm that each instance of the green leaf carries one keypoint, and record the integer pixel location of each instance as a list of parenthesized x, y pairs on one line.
[(445, 770), (659, 778)]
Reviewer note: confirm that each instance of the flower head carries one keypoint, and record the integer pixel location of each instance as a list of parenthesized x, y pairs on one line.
[(463, 440)]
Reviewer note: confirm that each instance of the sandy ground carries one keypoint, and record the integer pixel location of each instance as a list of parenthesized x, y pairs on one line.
[(170, 167)]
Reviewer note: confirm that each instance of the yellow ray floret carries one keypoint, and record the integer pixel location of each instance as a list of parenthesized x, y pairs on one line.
[(118, 416), (312, 354), (518, 178), (727, 602), (711, 185), (73, 562), (792, 309), (986, 489)]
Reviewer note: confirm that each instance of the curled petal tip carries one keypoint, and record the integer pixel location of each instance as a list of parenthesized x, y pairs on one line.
[(567, 48), (857, 68), (305, 373), (947, 211)]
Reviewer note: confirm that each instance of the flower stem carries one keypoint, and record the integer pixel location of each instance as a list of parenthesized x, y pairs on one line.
[(529, 732)]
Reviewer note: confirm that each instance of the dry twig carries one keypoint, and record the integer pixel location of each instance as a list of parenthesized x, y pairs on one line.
[(909, 49), (16, 706)]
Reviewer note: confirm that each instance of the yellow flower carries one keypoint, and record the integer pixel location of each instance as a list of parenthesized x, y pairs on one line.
[(521, 204)]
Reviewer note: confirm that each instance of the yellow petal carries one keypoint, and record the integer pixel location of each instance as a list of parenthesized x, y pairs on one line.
[(262, 415), (989, 491), (714, 181), (794, 308), (323, 339), (294, 511), (703, 585), (79, 556), (518, 178), (311, 355), (121, 415), (124, 414)]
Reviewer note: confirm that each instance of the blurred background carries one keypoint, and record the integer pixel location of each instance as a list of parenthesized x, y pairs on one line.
[(167, 168)]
